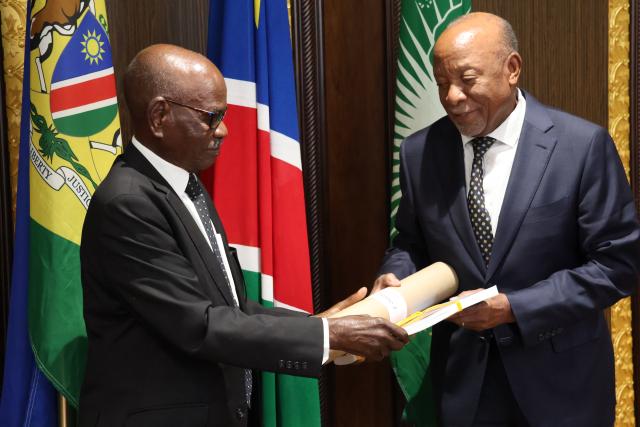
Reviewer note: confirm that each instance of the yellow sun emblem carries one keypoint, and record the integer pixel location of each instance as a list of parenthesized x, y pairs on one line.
[(92, 47)]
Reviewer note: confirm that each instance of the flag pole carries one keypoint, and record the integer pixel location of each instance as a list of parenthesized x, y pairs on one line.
[(62, 410)]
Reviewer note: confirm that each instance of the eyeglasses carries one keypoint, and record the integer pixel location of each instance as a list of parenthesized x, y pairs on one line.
[(215, 117)]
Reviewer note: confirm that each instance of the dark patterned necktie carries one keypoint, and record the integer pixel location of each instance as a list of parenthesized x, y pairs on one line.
[(196, 194), (480, 219)]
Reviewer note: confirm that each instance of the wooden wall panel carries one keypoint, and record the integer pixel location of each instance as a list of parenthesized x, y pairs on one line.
[(356, 186), (137, 24), (564, 47)]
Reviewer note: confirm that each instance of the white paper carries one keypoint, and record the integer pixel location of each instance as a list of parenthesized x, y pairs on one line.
[(393, 302), (437, 316)]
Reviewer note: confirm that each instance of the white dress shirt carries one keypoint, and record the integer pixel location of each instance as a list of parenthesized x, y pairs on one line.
[(178, 178), (498, 160)]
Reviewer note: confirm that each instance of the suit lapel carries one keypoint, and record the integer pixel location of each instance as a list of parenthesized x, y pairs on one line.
[(238, 279), (136, 160), (451, 168), (535, 147), (213, 266)]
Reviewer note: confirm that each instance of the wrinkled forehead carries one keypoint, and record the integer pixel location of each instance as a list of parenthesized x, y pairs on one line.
[(468, 48), (203, 81)]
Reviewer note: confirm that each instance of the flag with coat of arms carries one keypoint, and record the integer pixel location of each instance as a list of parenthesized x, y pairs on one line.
[(70, 136)]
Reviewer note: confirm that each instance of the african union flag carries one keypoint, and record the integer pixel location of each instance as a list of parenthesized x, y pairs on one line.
[(70, 137)]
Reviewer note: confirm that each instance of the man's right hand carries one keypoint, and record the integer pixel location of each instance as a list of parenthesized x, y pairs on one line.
[(385, 281), (371, 337)]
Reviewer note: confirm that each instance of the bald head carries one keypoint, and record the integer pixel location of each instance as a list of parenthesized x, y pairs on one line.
[(168, 71), (476, 66), (177, 99), (498, 29)]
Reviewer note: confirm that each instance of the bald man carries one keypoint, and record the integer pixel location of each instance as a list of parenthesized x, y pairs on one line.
[(512, 193), (172, 336)]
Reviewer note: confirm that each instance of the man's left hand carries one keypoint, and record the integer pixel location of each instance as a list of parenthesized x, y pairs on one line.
[(484, 315)]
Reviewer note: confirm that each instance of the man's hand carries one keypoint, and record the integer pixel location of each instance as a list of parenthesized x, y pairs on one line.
[(349, 301), (371, 337), (485, 315), (388, 280)]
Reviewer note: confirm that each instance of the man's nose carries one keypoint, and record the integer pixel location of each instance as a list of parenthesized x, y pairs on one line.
[(455, 95), (221, 131)]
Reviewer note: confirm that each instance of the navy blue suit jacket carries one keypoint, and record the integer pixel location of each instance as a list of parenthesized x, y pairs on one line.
[(566, 247)]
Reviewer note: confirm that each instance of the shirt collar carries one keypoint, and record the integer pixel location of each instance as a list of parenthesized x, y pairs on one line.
[(509, 130), (174, 175)]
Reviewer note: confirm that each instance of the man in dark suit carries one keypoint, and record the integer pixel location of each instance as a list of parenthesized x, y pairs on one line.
[(513, 193), (172, 337)]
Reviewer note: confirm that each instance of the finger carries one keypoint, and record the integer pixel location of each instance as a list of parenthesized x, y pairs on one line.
[(347, 302), (466, 293), (397, 345), (352, 299), (390, 279)]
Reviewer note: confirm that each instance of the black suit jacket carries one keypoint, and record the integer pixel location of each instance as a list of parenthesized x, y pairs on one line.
[(566, 247), (166, 345)]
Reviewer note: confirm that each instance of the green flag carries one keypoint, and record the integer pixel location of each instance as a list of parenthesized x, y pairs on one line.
[(417, 106)]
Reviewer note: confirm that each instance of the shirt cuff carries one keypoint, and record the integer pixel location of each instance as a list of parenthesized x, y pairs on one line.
[(325, 340)]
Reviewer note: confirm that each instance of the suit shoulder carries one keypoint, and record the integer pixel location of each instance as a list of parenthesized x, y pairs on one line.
[(418, 141), (122, 180), (574, 127)]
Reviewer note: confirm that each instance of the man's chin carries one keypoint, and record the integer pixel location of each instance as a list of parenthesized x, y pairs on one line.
[(206, 164), (467, 129)]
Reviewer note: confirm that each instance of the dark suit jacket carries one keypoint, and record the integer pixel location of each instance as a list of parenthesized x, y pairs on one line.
[(566, 248), (165, 342)]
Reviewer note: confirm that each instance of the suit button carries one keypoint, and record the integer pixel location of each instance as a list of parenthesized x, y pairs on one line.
[(540, 337), (239, 413)]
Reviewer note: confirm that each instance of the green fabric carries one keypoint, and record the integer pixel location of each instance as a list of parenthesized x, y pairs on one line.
[(56, 326), (411, 366), (287, 401), (417, 106), (87, 123)]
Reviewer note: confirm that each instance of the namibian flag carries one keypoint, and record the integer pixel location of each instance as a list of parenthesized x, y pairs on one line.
[(83, 88), (257, 182), (69, 139)]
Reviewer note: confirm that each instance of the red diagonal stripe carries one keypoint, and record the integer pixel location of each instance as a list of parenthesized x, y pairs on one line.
[(83, 93)]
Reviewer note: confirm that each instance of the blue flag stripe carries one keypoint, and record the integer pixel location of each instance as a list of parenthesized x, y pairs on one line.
[(282, 94), (228, 23), (28, 399)]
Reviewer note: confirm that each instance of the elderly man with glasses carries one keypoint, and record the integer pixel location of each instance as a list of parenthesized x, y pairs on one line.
[(172, 337)]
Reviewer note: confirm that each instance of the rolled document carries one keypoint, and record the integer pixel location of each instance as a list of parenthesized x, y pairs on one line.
[(422, 289)]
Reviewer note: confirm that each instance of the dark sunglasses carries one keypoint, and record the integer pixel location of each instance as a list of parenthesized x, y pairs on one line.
[(215, 117)]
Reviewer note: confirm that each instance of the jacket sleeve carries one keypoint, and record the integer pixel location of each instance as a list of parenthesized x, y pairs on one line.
[(408, 252), (609, 238)]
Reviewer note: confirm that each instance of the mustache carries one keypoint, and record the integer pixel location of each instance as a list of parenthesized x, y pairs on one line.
[(457, 113)]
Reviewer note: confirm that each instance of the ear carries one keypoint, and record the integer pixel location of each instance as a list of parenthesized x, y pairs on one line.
[(514, 66), (157, 115)]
